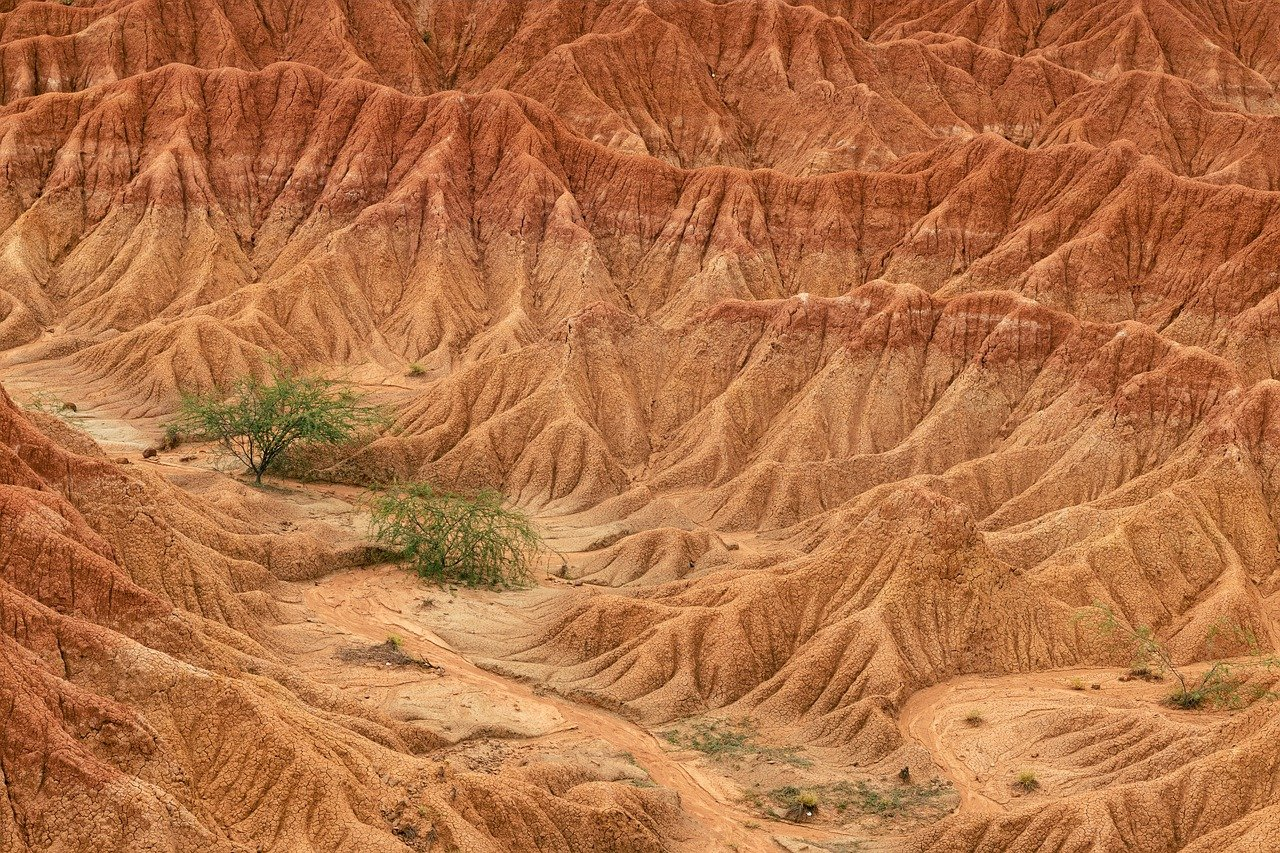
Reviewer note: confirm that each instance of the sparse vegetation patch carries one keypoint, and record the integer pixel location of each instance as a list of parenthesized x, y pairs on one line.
[(390, 652), (845, 798), (47, 404), (1222, 685), (719, 738), (472, 539)]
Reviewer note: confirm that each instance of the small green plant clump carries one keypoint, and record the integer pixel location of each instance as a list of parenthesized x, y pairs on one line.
[(172, 437), (909, 800), (1076, 683), (474, 540), (1026, 782), (718, 738), (256, 421), (974, 718), (416, 369), (803, 807), (1142, 672)]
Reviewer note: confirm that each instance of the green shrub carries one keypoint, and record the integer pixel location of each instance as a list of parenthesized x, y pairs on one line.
[(475, 540), (1218, 686), (1026, 782), (256, 421)]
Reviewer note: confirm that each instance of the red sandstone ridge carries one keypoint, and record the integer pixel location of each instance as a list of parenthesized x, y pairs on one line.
[(845, 348)]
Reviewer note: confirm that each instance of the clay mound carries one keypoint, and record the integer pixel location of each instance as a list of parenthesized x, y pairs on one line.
[(1229, 54), (1097, 432), (147, 710), (1200, 803), (55, 48), (654, 556), (819, 645), (1171, 120)]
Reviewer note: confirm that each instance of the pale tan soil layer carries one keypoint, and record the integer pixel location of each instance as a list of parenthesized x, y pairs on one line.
[(844, 350)]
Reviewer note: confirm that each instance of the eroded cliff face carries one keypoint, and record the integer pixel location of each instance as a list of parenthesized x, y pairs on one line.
[(972, 306)]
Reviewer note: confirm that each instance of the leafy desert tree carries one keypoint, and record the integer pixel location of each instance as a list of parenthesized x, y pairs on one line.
[(256, 420), (1219, 685), (472, 539)]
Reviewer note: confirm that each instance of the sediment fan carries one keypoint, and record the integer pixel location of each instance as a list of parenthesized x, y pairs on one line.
[(967, 309)]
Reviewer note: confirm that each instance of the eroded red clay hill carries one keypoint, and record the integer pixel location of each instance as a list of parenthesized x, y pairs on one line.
[(965, 314)]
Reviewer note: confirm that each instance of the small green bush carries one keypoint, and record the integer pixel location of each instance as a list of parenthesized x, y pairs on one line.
[(475, 540), (1026, 782)]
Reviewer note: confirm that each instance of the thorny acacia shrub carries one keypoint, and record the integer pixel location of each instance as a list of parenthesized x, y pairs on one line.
[(443, 536), (256, 420), (1219, 686)]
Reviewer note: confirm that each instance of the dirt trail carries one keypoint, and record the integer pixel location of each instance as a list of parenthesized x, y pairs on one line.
[(364, 603), (921, 722)]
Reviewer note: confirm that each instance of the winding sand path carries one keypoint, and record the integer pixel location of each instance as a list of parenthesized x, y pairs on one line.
[(921, 721), (372, 603)]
